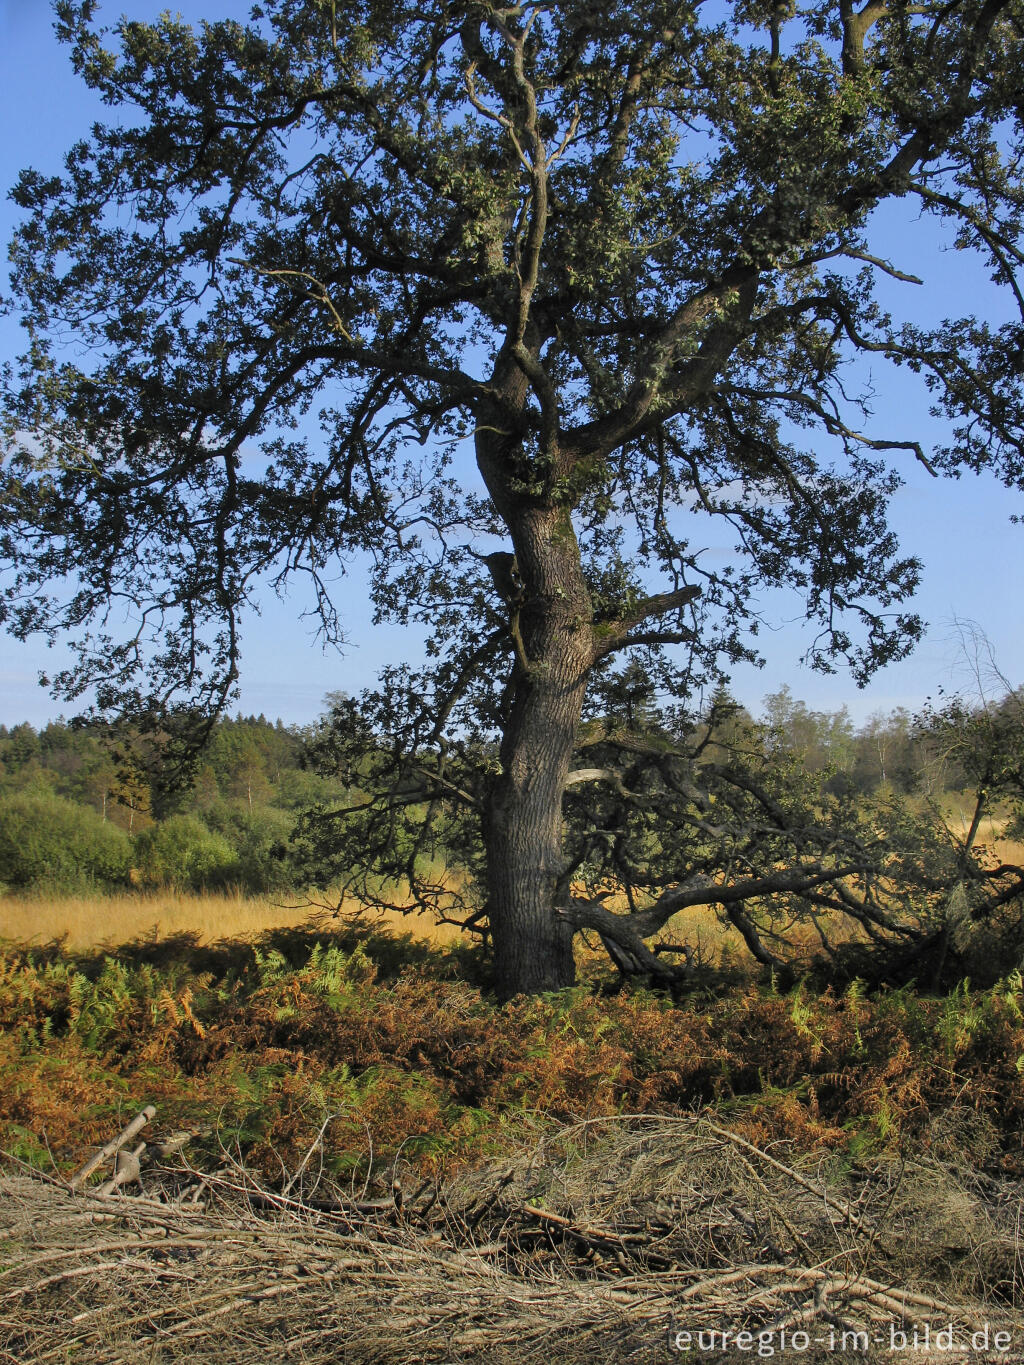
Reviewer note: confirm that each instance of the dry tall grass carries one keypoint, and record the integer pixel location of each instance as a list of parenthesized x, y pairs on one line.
[(959, 811), (85, 922), (91, 922)]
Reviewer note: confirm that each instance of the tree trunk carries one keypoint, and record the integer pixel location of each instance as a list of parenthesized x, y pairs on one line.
[(532, 944)]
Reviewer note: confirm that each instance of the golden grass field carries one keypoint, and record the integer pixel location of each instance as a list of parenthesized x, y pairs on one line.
[(958, 815), (90, 922), (94, 922), (1009, 850)]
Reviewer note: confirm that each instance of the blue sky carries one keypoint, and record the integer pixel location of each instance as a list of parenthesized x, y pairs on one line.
[(972, 555)]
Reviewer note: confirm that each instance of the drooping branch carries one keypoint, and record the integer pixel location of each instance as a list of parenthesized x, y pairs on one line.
[(703, 890)]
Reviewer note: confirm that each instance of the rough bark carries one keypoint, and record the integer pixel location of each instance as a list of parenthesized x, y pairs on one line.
[(551, 624), (532, 943)]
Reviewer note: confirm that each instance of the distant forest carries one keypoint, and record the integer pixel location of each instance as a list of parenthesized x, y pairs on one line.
[(79, 809)]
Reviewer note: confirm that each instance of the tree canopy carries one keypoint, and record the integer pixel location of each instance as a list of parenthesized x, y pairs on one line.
[(623, 257)]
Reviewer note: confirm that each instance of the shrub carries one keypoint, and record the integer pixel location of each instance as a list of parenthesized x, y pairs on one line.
[(260, 839), (182, 852), (50, 842)]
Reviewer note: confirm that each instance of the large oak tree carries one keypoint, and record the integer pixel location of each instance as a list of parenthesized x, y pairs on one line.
[(621, 255)]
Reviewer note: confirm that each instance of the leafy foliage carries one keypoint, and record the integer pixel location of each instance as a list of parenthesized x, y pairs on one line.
[(48, 841), (68, 793), (627, 254), (181, 851)]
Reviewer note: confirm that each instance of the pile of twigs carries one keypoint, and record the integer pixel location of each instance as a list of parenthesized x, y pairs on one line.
[(604, 1240)]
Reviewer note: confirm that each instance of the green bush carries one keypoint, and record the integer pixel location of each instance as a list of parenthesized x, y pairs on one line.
[(48, 841), (181, 851), (260, 838)]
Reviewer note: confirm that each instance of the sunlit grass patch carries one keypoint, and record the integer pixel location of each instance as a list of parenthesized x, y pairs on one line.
[(91, 921)]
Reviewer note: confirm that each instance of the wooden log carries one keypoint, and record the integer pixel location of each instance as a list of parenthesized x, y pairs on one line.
[(113, 1146), (127, 1170)]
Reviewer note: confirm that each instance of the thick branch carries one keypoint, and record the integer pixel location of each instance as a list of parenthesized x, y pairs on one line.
[(613, 635), (856, 26), (701, 890), (665, 385)]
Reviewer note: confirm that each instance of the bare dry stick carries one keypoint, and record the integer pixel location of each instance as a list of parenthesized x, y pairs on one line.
[(744, 1272), (907, 1295), (193, 1327), (97, 1248), (837, 1204), (75, 1273), (776, 1208), (106, 1153), (585, 1234)]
